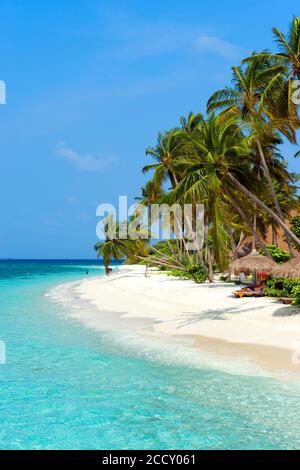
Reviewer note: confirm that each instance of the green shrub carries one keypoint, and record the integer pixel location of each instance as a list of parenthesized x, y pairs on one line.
[(296, 296), (295, 228), (281, 287), (278, 255), (194, 272), (164, 247)]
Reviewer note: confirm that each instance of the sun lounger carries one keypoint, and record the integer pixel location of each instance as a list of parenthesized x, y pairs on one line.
[(254, 291), (249, 293)]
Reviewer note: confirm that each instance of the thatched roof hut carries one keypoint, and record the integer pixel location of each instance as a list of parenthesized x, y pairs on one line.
[(290, 269), (252, 263)]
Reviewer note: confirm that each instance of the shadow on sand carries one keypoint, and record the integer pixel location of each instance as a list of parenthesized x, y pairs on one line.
[(213, 314), (220, 314), (287, 311)]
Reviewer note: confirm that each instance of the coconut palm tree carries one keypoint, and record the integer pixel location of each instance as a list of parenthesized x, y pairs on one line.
[(191, 123), (221, 165), (246, 95), (289, 48), (165, 152), (201, 181), (247, 101), (281, 88), (116, 248), (150, 193)]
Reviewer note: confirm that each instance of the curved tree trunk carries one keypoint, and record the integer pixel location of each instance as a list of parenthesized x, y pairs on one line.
[(208, 255), (210, 267), (173, 178), (247, 222), (242, 237), (233, 245), (160, 263), (170, 246), (254, 229), (274, 234), (263, 206), (171, 258), (273, 192)]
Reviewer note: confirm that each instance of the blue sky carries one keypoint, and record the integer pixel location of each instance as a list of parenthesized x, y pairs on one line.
[(89, 83)]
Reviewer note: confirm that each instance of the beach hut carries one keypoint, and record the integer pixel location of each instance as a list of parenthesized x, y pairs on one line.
[(252, 264), (290, 269)]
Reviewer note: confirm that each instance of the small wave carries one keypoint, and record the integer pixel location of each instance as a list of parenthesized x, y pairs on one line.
[(136, 336)]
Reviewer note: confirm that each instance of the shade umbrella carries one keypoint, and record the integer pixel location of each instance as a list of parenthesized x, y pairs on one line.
[(289, 269), (252, 263)]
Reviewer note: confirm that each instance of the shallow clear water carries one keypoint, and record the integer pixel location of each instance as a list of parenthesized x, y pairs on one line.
[(65, 386)]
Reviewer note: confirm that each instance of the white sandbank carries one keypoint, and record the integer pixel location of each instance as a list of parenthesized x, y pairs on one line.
[(265, 328)]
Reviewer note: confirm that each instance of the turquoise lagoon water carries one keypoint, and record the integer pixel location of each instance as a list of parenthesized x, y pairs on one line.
[(65, 386)]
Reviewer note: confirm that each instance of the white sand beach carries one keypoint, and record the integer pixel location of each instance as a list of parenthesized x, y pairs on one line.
[(263, 328)]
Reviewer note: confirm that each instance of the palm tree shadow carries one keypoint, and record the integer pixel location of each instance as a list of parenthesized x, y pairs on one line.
[(212, 314), (287, 311)]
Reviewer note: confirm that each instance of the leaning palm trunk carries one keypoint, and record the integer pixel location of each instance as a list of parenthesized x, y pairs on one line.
[(170, 246), (161, 263), (254, 228), (273, 192), (210, 266), (247, 222), (185, 248), (172, 260), (263, 206), (178, 243), (195, 241), (233, 249), (201, 261), (233, 245), (208, 255), (173, 178), (242, 238), (274, 234)]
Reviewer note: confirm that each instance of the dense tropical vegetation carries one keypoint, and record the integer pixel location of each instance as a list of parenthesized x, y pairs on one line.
[(230, 159), (295, 227), (279, 256), (289, 288)]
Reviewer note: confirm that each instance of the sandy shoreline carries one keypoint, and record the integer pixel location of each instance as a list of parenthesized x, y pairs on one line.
[(262, 330)]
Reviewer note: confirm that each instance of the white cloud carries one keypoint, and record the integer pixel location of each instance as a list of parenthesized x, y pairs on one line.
[(84, 162), (135, 37), (218, 46)]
